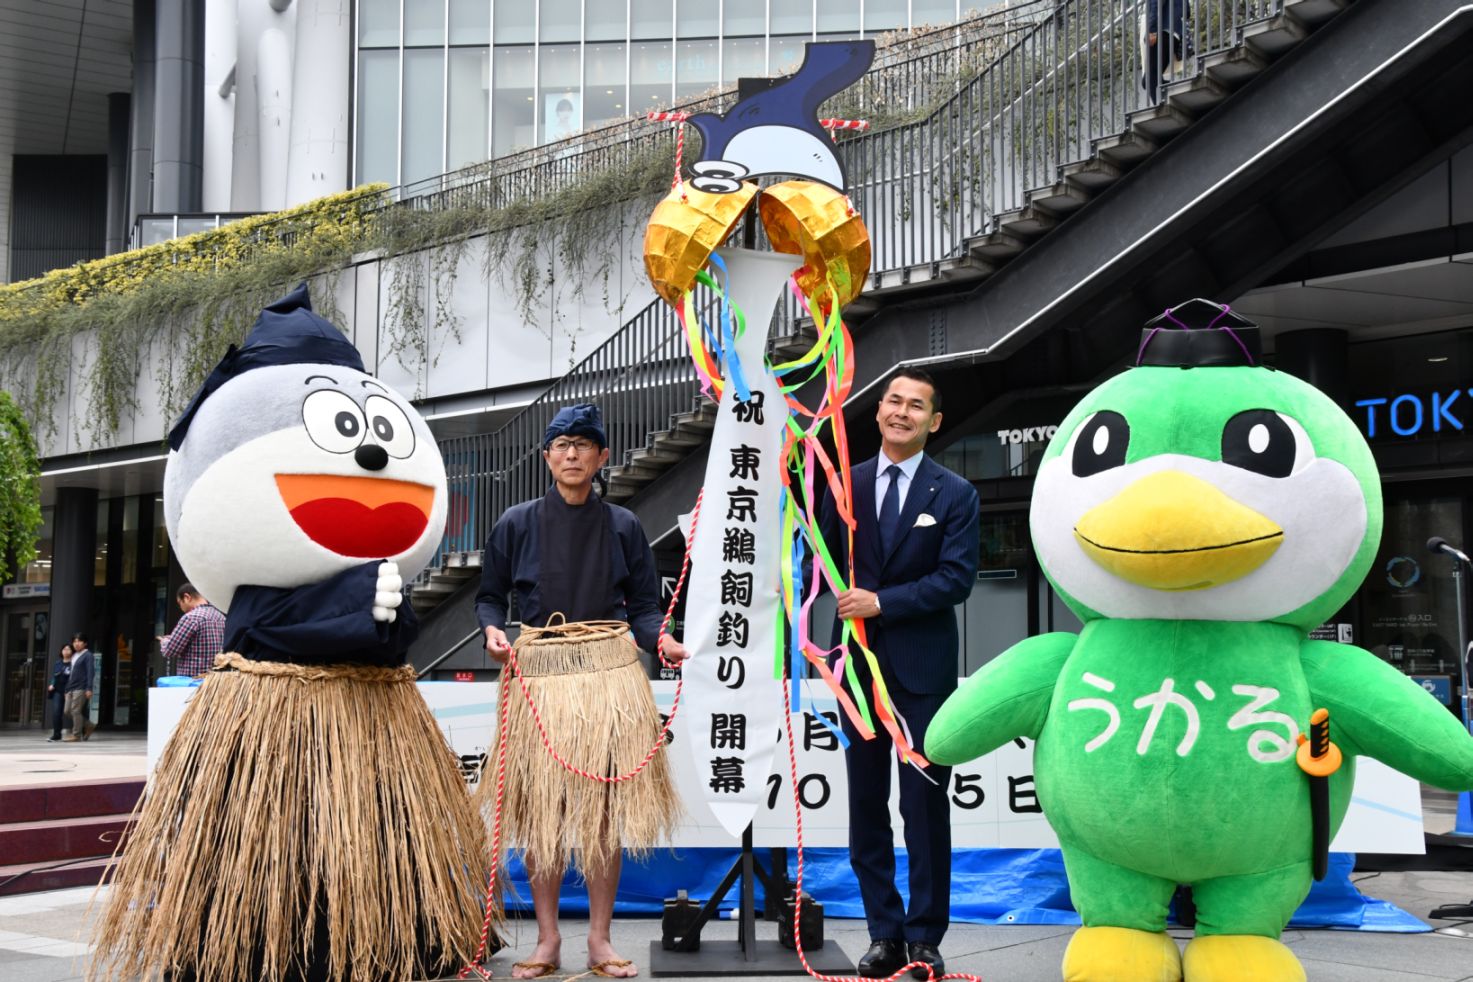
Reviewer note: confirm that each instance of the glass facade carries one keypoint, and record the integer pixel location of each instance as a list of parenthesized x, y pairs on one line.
[(446, 83)]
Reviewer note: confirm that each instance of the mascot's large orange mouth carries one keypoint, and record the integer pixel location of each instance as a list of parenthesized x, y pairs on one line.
[(362, 517)]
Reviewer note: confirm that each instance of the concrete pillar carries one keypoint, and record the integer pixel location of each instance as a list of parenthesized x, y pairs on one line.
[(178, 118), (219, 104), (73, 552), (140, 137), (318, 162), (274, 114), (1319, 356), (119, 104)]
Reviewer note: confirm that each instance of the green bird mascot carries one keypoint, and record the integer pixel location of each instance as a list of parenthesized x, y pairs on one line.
[(1200, 513)]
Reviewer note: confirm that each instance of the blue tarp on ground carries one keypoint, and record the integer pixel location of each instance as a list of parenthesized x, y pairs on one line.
[(988, 886)]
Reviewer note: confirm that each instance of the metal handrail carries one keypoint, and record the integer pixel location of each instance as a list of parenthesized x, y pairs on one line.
[(443, 657), (926, 188)]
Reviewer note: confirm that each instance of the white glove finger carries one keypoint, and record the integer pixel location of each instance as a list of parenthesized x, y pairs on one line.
[(388, 569), (386, 584), (382, 614), (387, 600)]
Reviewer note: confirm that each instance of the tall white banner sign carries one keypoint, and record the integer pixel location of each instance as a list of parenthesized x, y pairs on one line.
[(732, 606)]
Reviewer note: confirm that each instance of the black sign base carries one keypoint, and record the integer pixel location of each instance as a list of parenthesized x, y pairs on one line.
[(728, 958)]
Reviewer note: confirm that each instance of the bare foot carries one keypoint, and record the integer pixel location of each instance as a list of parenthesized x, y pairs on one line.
[(604, 960), (536, 965)]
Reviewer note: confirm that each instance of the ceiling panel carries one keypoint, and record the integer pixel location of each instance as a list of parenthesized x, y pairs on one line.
[(58, 61)]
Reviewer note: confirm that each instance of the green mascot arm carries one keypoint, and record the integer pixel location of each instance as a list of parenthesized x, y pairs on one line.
[(1375, 711), (1009, 697)]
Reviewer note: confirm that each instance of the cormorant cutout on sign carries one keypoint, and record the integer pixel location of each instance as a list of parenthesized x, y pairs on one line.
[(776, 130)]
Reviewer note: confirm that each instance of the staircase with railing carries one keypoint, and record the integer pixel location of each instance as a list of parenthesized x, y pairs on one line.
[(1046, 109)]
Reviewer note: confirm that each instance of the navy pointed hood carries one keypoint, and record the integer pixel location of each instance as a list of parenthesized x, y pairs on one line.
[(286, 333)]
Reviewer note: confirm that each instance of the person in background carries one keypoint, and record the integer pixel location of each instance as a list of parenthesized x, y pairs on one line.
[(56, 693), (79, 688), (1167, 43), (190, 649)]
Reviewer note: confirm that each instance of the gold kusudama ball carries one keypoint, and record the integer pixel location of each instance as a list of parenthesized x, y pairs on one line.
[(686, 226)]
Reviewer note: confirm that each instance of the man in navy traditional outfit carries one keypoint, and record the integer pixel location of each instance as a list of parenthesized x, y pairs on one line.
[(547, 551)]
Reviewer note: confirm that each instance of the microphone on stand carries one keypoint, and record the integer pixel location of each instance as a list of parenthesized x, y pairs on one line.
[(1438, 544)]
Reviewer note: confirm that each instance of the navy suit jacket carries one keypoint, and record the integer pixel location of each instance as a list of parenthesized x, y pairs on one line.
[(929, 569)]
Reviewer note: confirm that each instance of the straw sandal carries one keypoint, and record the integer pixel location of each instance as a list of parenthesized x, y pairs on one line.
[(598, 969), (542, 968)]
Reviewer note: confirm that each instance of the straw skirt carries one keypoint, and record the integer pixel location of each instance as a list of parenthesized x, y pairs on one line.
[(597, 713), (303, 823)]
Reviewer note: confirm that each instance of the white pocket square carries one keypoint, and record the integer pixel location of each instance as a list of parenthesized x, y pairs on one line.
[(924, 520)]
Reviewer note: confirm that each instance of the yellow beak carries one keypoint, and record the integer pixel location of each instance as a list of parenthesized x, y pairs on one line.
[(1172, 531)]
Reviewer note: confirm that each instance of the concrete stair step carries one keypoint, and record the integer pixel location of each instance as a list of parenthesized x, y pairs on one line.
[(1126, 149), (1027, 222), (1234, 67), (1276, 35), (1093, 175), (1196, 95), (21, 878), (996, 246), (69, 799), (1160, 122), (66, 838), (1314, 12), (1060, 198)]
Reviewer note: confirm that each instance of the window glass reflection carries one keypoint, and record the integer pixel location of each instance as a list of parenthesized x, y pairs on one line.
[(514, 21), (470, 101), (424, 108), (605, 21), (695, 68), (932, 12), (785, 54), (743, 58), (424, 22), (513, 116), (792, 18), (603, 84), (378, 23), (562, 20), (697, 18), (559, 103), (470, 22), (651, 18), (884, 15), (837, 15), (378, 117), (740, 17), (650, 75)]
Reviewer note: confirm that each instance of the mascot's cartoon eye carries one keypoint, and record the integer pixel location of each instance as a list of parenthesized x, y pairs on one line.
[(1267, 443), (390, 426), (333, 421), (1100, 443)]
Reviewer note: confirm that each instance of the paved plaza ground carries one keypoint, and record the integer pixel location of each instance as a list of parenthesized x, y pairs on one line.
[(44, 936)]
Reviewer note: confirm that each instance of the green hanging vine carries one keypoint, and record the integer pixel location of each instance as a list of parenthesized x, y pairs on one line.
[(20, 489)]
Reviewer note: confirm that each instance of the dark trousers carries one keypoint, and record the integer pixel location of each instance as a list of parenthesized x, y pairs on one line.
[(926, 813), (58, 713)]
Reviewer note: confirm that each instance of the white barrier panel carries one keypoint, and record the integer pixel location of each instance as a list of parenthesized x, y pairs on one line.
[(992, 799)]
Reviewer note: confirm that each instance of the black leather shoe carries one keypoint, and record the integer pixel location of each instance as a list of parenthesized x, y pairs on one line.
[(883, 959), (921, 952)]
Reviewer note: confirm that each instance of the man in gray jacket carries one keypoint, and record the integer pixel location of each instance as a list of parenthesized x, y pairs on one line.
[(79, 689)]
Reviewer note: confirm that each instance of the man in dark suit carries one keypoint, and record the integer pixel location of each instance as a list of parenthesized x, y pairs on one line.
[(915, 558)]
